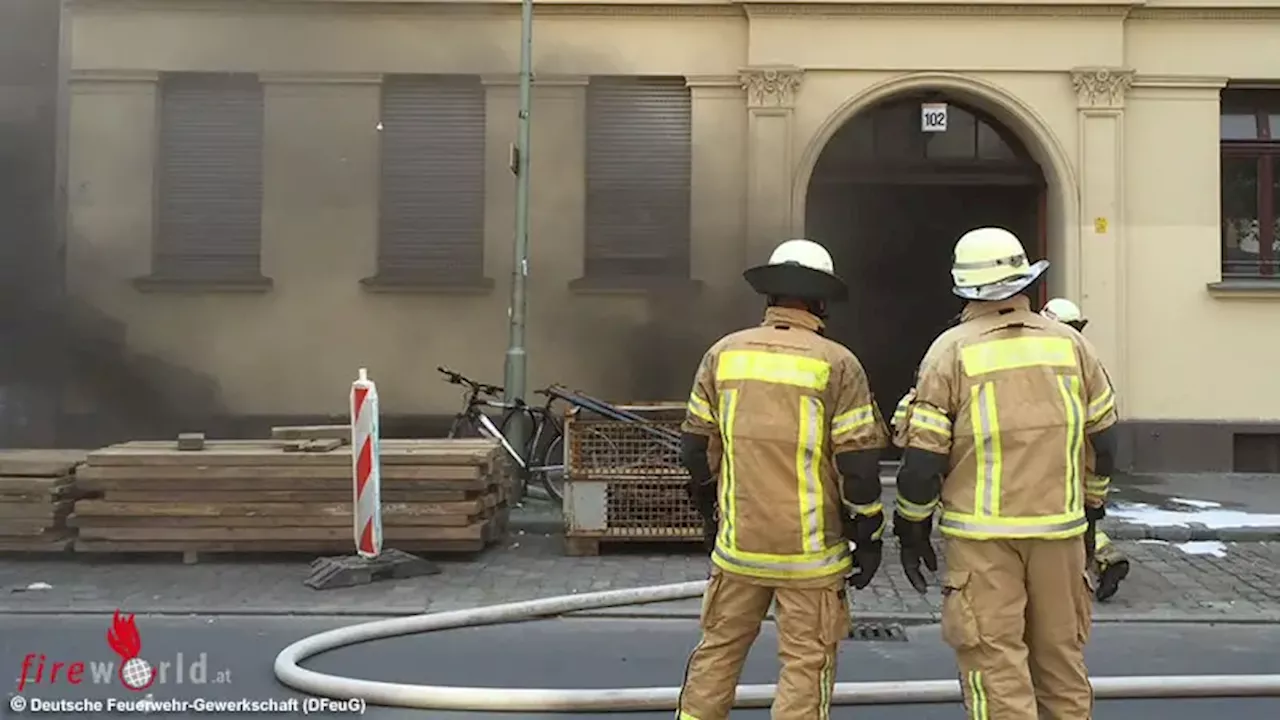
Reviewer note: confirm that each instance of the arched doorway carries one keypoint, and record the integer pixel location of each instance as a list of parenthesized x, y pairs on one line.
[(889, 200)]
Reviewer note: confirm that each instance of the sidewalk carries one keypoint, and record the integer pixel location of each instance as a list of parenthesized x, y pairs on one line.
[(1198, 581)]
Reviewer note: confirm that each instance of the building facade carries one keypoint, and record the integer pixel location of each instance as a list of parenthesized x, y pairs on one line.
[(271, 195)]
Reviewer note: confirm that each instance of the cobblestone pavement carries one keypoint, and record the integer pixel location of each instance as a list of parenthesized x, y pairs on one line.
[(1167, 581)]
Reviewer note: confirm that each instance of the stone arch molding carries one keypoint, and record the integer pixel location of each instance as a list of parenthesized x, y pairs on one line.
[(1024, 121)]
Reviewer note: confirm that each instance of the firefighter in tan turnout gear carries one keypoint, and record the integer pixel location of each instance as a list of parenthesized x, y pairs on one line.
[(1110, 564), (1004, 405), (799, 440)]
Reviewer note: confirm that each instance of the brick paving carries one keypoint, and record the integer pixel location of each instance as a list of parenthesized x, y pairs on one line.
[(1165, 582)]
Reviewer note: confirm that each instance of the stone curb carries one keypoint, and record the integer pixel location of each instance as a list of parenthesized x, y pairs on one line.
[(1117, 531), (1154, 617), (1192, 533)]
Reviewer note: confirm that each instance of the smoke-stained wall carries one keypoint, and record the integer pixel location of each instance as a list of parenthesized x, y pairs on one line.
[(30, 271)]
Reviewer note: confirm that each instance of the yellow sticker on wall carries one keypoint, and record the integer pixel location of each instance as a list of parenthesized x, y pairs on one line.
[(1100, 225)]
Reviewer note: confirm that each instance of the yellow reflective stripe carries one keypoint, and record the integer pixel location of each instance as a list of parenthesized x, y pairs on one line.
[(1014, 353), (914, 511), (879, 531), (728, 476), (1100, 540), (986, 445), (825, 680), (1095, 484), (831, 561), (687, 716), (868, 510), (808, 487), (977, 696), (845, 423), (1049, 527), (700, 408), (770, 367), (1101, 405), (1069, 389), (928, 419)]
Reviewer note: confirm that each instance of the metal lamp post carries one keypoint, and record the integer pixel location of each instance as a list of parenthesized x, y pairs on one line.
[(515, 372)]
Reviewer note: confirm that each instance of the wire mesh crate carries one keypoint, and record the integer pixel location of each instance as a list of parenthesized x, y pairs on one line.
[(623, 484), (597, 447)]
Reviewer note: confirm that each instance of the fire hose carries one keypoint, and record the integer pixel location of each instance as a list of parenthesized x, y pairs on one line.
[(434, 697)]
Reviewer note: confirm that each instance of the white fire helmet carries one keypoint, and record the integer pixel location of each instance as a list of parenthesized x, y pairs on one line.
[(800, 269), (991, 264)]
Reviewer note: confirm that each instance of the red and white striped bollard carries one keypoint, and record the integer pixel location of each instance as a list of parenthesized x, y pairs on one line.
[(366, 466)]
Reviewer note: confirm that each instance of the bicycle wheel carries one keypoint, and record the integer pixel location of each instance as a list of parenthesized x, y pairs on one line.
[(551, 460), (520, 476)]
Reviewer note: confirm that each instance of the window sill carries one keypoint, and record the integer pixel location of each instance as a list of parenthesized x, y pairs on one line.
[(433, 286), (633, 285), (1245, 288), (165, 284)]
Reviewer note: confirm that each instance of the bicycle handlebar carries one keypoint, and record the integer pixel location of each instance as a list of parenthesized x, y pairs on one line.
[(457, 378)]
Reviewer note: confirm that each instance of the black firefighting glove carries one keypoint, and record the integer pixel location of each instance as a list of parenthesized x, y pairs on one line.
[(865, 531), (703, 496), (915, 548), (1093, 515)]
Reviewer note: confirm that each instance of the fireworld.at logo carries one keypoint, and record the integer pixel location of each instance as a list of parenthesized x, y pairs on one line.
[(133, 671)]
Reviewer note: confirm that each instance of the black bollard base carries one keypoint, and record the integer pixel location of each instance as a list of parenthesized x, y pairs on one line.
[(342, 571)]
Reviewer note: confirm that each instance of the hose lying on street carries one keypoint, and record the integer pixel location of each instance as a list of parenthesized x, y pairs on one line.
[(431, 697)]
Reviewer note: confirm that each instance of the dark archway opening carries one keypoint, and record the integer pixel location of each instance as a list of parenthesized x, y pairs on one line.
[(889, 200)]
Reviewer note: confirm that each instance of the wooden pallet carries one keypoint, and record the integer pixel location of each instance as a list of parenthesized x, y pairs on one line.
[(37, 491), (270, 497)]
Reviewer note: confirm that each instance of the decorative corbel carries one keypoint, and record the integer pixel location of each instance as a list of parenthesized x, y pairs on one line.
[(771, 87), (1101, 87)]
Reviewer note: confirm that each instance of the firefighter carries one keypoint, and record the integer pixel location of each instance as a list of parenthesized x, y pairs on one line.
[(1004, 404), (800, 440), (1110, 565)]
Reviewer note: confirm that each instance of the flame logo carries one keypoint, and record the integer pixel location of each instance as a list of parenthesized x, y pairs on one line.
[(123, 637)]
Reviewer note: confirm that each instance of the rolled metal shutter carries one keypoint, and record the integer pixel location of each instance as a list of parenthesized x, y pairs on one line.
[(432, 214), (639, 157), (210, 194)]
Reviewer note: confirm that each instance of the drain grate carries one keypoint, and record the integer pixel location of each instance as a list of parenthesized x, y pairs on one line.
[(878, 632)]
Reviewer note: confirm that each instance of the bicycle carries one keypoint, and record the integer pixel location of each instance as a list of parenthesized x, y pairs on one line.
[(545, 441)]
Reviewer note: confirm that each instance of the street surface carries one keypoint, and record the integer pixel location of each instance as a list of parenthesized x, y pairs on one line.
[(1237, 582), (590, 653)]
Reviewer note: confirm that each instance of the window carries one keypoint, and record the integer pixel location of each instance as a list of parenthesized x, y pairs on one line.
[(638, 177), (1249, 129), (432, 193), (209, 205)]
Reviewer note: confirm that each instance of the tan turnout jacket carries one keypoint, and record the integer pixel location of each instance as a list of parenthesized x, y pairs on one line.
[(1010, 397), (780, 400)]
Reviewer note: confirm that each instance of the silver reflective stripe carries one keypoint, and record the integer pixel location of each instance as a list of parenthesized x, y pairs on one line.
[(925, 421), (982, 410), (728, 481), (809, 455), (1070, 386), (1012, 260), (1013, 530), (799, 565)]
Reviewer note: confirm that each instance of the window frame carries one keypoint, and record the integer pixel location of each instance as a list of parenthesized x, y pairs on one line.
[(171, 263), (1264, 150), (669, 261)]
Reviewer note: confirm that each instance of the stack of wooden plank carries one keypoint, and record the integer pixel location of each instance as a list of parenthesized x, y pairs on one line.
[(269, 496), (37, 489)]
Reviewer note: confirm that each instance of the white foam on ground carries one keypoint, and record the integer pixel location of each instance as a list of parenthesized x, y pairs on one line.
[(1203, 547), (1196, 503), (1144, 514)]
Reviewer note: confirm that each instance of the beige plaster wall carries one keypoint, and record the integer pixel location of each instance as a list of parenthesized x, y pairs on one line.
[(1141, 274)]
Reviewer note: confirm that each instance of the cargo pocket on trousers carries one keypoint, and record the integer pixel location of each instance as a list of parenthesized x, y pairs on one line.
[(959, 623), (835, 616), (1084, 607)]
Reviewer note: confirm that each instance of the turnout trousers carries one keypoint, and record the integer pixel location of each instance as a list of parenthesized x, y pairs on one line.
[(811, 621), (1018, 614)]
